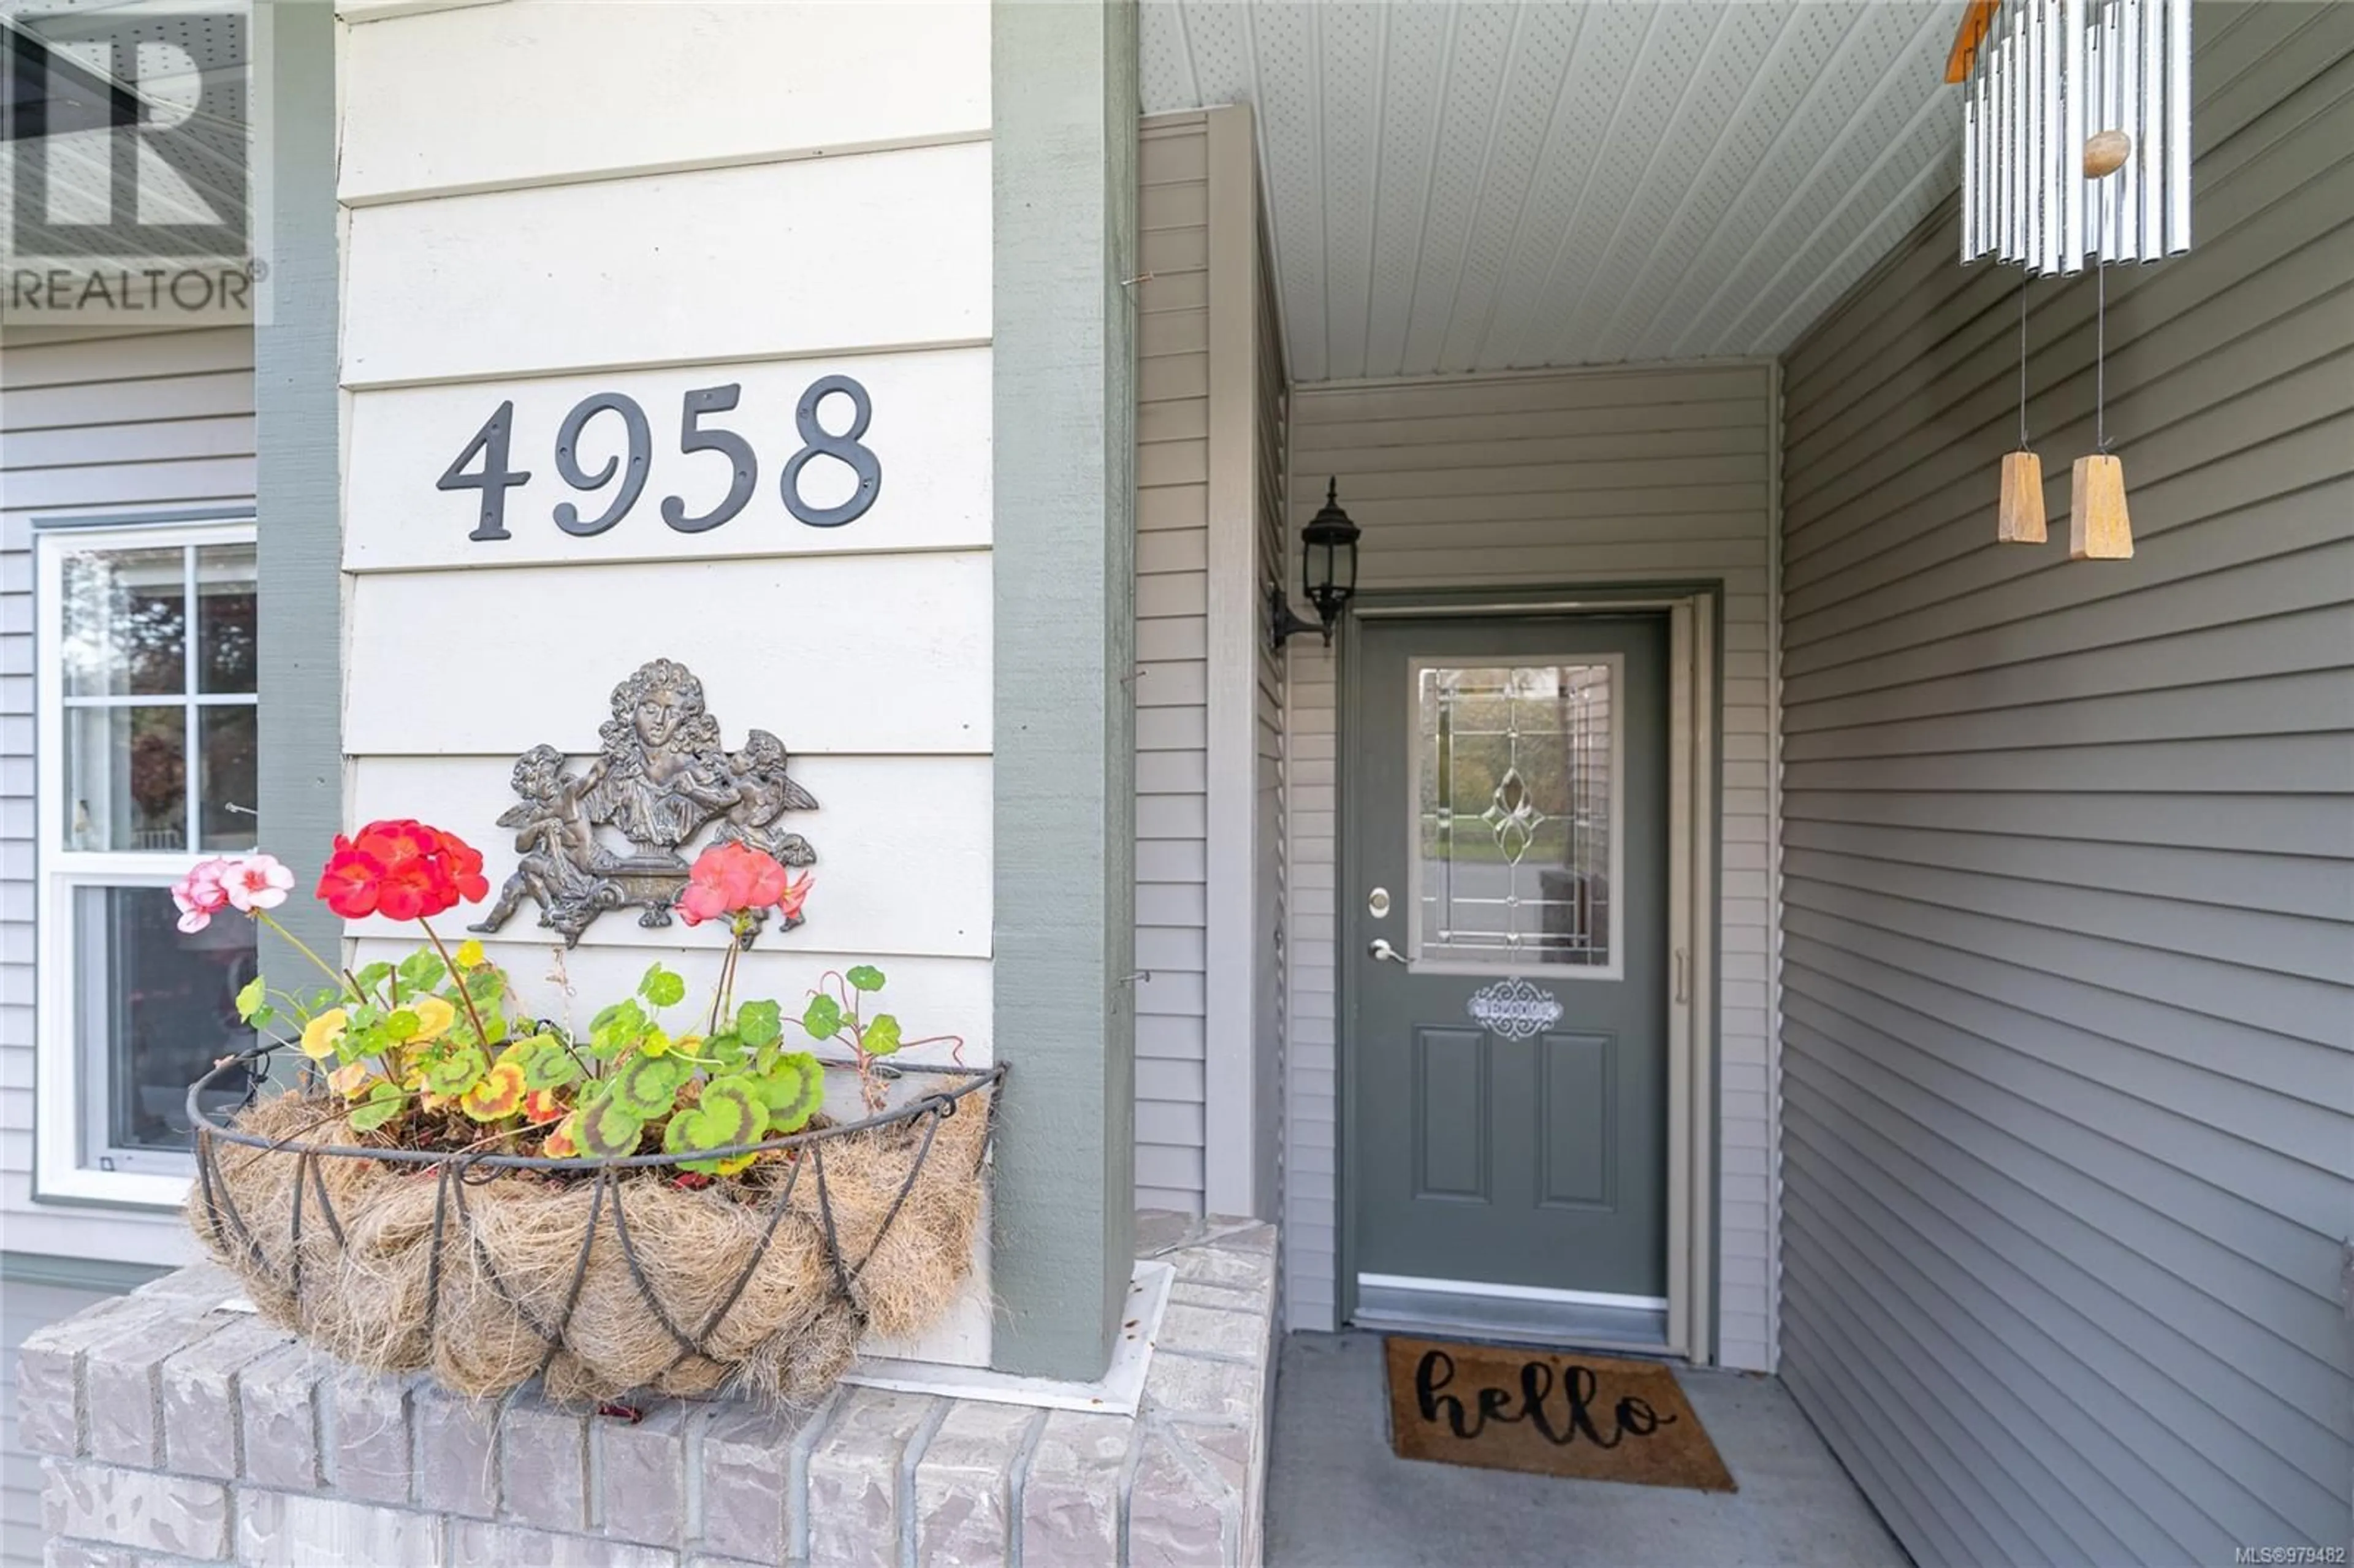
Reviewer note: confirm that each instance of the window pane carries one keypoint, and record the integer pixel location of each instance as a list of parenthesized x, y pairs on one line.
[(127, 778), (125, 623), (224, 745), (157, 1008), (1513, 826), (225, 618)]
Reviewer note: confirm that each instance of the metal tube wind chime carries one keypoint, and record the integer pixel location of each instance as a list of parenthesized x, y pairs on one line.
[(2076, 152)]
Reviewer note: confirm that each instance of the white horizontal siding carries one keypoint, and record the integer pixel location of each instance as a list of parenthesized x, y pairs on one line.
[(88, 425), (1642, 474), (2069, 858), (1172, 520), (542, 239)]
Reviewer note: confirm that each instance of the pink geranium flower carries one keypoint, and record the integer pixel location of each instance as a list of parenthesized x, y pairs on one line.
[(728, 878), (257, 882), (200, 895)]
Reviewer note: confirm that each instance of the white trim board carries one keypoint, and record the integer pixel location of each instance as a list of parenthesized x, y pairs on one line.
[(1117, 1392)]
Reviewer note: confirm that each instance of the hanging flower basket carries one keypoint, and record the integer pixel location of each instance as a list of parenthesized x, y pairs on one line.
[(604, 1277), (654, 1201)]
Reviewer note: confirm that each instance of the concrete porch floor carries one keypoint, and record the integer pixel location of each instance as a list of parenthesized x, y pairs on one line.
[(1337, 1496)]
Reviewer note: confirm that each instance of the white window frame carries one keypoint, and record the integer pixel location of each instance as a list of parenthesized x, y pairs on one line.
[(59, 1113)]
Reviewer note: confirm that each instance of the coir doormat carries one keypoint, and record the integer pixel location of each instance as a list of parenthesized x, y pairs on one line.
[(1555, 1412)]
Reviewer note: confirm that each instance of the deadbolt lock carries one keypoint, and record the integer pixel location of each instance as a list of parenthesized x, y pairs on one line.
[(1377, 903)]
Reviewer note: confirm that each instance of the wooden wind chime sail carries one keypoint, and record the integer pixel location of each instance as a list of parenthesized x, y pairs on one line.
[(2075, 154)]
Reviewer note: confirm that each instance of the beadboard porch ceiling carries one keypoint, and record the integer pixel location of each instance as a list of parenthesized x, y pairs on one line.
[(1457, 186)]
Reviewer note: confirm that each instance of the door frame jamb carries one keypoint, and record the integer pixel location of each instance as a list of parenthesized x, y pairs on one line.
[(1694, 832)]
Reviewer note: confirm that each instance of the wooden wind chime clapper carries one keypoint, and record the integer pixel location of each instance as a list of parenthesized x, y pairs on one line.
[(2075, 151)]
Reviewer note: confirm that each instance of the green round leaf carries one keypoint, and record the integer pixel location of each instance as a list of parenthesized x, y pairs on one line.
[(373, 1114), (759, 1022), (824, 1018), (662, 987), (249, 999), (882, 1036), (401, 1024), (865, 977)]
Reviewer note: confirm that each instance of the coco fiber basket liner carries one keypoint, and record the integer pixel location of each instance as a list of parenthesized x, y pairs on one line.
[(601, 1277)]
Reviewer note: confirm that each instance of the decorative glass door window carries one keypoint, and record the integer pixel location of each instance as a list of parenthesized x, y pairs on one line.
[(146, 702), (1516, 817)]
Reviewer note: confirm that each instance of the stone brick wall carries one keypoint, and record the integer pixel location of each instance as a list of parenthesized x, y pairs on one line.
[(177, 1433)]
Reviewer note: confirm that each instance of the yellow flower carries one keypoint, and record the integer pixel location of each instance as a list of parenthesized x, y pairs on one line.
[(319, 1035), (349, 1080), (470, 954), (434, 1017)]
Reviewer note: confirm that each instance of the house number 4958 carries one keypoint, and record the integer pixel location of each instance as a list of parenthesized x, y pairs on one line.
[(697, 432)]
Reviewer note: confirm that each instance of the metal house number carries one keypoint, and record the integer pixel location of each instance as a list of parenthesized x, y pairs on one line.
[(627, 473)]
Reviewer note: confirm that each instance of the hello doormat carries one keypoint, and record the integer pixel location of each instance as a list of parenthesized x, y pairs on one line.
[(1554, 1413)]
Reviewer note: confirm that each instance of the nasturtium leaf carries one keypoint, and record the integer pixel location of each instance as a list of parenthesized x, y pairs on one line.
[(726, 1051), (792, 1090), (325, 997), (422, 971), (455, 1071), (646, 1087), (497, 1095), (882, 1035), (263, 1017), (373, 975), (400, 1024), (249, 999), (822, 1019), (662, 987), (759, 1022), (486, 986), (610, 1131), (865, 977)]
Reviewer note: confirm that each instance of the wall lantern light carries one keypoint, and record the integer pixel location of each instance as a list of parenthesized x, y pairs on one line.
[(1328, 571)]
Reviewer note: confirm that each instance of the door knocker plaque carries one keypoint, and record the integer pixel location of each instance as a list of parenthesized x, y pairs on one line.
[(661, 778), (1514, 1009)]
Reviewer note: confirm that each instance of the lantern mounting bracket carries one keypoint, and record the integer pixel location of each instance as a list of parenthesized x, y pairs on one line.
[(1285, 623)]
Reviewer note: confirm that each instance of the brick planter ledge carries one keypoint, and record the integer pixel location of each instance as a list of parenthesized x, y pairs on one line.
[(177, 1433)]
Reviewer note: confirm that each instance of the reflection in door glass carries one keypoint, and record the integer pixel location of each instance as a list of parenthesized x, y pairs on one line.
[(1513, 807)]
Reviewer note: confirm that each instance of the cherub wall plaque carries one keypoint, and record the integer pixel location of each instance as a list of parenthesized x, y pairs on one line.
[(662, 778)]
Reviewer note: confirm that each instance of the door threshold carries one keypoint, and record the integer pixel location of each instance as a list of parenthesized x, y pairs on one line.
[(1536, 1317)]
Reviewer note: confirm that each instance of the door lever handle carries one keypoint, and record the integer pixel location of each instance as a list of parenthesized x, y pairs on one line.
[(1380, 948)]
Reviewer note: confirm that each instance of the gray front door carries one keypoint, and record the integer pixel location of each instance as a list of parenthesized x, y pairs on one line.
[(1507, 929)]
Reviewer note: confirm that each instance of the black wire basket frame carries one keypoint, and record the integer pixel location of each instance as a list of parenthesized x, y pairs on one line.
[(461, 1168)]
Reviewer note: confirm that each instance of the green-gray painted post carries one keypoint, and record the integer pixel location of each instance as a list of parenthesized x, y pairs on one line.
[(1065, 107), (297, 472)]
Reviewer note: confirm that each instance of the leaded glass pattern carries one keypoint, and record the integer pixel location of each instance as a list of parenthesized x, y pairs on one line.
[(1514, 771)]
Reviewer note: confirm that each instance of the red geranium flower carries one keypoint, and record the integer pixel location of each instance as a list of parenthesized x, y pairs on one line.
[(402, 869)]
